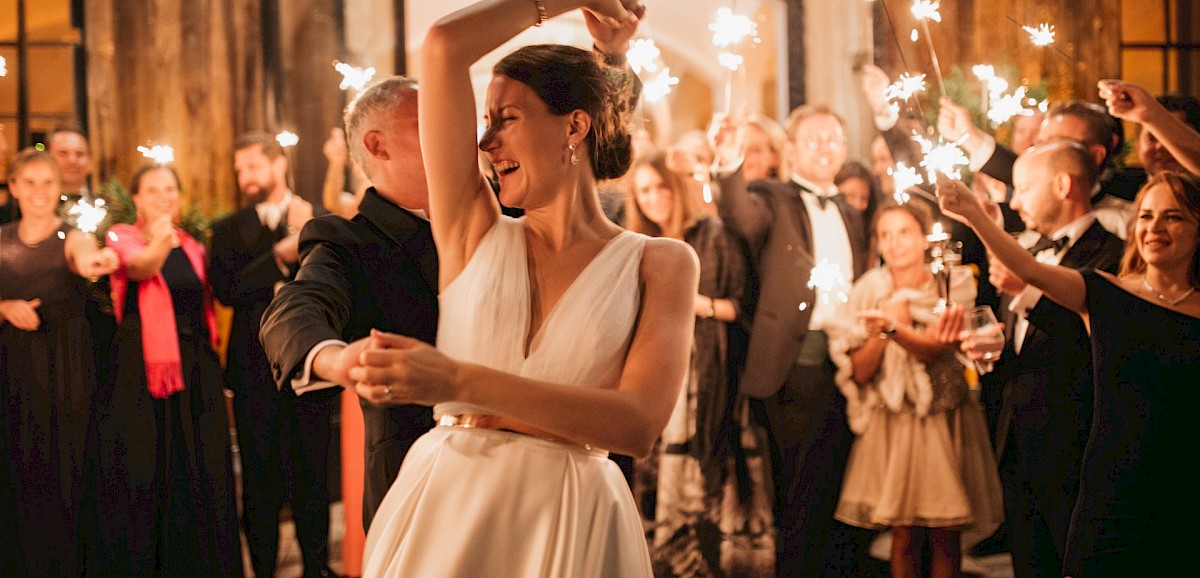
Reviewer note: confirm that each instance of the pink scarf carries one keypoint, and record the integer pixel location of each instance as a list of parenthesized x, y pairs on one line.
[(160, 340)]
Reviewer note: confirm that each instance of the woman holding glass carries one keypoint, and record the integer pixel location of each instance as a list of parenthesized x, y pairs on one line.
[(47, 375), (921, 463), (166, 488), (1144, 323)]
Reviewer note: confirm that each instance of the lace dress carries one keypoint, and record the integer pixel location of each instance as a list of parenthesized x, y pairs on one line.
[(921, 456), (481, 502)]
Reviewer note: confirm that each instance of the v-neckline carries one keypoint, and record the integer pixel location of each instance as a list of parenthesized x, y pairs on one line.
[(531, 337)]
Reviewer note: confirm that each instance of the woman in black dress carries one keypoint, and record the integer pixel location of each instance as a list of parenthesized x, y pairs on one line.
[(47, 375), (1136, 489), (166, 482)]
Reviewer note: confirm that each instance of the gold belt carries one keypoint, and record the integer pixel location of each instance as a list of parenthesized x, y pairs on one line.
[(501, 423)]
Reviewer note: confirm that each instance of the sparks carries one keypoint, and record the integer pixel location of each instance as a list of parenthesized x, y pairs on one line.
[(660, 86), (1043, 35), (829, 281), (88, 216), (926, 10), (1005, 106), (730, 60), (905, 87), (287, 139), (353, 76), (944, 157), (914, 35), (729, 29), (984, 72), (904, 177), (3, 66), (160, 154), (642, 55)]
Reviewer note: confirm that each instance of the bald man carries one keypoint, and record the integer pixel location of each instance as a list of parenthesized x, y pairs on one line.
[(1046, 368)]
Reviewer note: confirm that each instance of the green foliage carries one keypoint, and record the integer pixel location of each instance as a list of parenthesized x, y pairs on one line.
[(120, 207)]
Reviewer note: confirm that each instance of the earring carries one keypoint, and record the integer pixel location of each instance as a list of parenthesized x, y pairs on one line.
[(574, 159)]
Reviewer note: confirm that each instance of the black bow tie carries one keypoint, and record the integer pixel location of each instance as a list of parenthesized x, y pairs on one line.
[(1044, 243), (822, 199)]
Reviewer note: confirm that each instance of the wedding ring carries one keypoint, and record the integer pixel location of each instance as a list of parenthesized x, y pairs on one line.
[(387, 390)]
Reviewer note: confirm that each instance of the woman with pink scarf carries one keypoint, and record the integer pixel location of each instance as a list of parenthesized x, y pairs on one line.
[(166, 489)]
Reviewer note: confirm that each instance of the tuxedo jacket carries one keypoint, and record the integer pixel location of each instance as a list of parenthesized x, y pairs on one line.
[(1046, 404), (378, 270), (771, 218), (244, 273)]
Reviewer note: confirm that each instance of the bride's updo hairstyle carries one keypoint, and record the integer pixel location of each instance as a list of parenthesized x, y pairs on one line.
[(568, 78)]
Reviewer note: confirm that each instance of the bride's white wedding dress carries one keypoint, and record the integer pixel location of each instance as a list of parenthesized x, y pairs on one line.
[(481, 502)]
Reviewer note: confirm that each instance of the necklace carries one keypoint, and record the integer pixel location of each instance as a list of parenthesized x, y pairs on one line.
[(1164, 298)]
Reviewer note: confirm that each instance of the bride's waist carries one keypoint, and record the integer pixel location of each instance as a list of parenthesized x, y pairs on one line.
[(501, 423)]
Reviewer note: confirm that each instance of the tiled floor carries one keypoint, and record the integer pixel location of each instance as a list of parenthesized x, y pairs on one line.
[(997, 566)]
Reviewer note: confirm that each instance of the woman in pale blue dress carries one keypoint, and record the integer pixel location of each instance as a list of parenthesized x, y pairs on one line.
[(561, 336)]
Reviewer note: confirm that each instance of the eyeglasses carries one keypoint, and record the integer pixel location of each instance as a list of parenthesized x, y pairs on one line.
[(830, 143)]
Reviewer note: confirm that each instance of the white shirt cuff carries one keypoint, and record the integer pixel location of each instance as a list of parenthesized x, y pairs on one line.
[(305, 382), (1025, 300), (721, 171), (983, 153)]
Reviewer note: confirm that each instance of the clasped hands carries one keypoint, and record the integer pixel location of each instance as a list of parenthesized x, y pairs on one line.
[(390, 369)]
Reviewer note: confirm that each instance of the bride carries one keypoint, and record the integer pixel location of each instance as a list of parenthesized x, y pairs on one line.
[(561, 335)]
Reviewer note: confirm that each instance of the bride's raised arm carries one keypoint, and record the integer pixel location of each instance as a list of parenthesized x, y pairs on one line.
[(461, 206)]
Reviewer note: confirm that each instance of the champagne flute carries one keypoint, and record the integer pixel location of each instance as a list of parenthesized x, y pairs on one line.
[(987, 335)]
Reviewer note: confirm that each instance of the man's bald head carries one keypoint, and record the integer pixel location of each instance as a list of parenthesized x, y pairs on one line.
[(1052, 184), (1065, 156)]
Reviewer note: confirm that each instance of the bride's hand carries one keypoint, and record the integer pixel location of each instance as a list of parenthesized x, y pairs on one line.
[(610, 38), (395, 369), (615, 13)]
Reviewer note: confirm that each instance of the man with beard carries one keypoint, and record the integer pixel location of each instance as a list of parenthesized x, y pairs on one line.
[(283, 441)]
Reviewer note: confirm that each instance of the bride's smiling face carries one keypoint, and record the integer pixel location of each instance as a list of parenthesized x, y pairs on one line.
[(526, 143)]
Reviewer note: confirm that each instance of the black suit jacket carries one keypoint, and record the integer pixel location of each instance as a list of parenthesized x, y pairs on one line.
[(1046, 405), (243, 273), (771, 218), (378, 270)]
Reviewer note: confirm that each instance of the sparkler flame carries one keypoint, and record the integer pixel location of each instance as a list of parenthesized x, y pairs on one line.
[(730, 60), (660, 86), (927, 10), (642, 55), (828, 280), (905, 87), (1043, 35), (353, 76), (1005, 106), (729, 28), (904, 177), (3, 66), (943, 157), (287, 139), (160, 154), (88, 216)]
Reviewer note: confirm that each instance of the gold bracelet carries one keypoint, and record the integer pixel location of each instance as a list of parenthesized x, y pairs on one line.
[(541, 9)]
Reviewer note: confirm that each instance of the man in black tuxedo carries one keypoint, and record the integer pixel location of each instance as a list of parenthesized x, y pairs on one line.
[(378, 270), (1046, 367), (790, 228), (255, 251)]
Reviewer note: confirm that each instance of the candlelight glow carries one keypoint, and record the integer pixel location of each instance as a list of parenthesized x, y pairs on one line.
[(160, 154), (287, 139), (943, 157), (353, 76), (730, 60), (660, 86), (87, 216), (937, 234), (1043, 35), (642, 55), (729, 28), (829, 281), (927, 10)]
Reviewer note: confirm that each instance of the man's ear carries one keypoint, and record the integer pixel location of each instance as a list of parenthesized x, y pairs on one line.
[(373, 141)]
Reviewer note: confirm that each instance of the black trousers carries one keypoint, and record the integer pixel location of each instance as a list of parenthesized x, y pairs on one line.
[(284, 441), (1038, 517), (810, 444)]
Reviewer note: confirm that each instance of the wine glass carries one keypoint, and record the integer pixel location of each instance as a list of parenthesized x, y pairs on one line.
[(987, 336)]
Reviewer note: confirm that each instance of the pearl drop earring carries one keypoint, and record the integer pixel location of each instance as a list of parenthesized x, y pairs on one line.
[(574, 159)]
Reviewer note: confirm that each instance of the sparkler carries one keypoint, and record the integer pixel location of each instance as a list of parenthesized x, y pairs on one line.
[(642, 55), (160, 154), (1041, 36), (730, 30), (924, 11), (353, 76), (88, 216), (829, 281), (905, 87), (943, 157), (730, 60), (904, 178), (287, 139), (660, 86), (3, 66), (1005, 106)]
